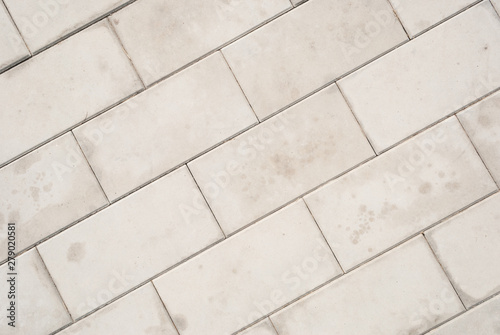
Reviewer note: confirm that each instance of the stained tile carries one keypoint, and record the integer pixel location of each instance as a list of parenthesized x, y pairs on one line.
[(400, 193), (402, 292), (280, 159), (165, 126), (249, 275), (45, 191), (482, 123), (467, 247), (12, 47), (262, 328), (428, 78), (44, 22), (129, 242), (419, 15), (483, 320), (140, 312), (39, 102), (310, 47), (39, 309), (152, 30)]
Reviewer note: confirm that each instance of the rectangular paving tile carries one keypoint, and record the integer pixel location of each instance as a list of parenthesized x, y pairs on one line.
[(45, 191), (310, 47), (482, 123), (262, 328), (162, 36), (248, 275), (403, 292), (468, 249), (139, 312), (12, 47), (428, 78), (484, 320), (129, 242), (39, 309), (44, 22), (280, 159), (92, 74), (420, 15), (400, 193), (165, 126), (496, 4)]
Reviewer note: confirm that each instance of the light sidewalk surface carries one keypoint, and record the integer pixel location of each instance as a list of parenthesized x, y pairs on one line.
[(261, 167)]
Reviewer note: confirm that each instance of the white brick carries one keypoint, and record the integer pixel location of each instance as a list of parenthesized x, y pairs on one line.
[(12, 47), (400, 193), (428, 78)]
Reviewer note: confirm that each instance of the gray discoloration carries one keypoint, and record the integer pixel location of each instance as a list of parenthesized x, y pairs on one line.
[(76, 252)]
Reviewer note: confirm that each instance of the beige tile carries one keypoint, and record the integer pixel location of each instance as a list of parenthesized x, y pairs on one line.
[(129, 242), (39, 309), (262, 328), (402, 292), (249, 275), (43, 22), (484, 320), (162, 36), (496, 4), (482, 124), (164, 126), (139, 312), (280, 159), (45, 191), (467, 247), (419, 15), (400, 193), (12, 47), (310, 47), (39, 102), (428, 78)]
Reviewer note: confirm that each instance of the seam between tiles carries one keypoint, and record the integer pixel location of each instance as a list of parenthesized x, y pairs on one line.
[(20, 35), (323, 235), (206, 201), (496, 9), (272, 324), (90, 167), (239, 85), (444, 271), (399, 19), (165, 307), (477, 152), (55, 285), (115, 33)]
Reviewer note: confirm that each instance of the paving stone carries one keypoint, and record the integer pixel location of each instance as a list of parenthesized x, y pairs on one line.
[(419, 15), (45, 191), (428, 78), (402, 292), (482, 123), (43, 22), (128, 243), (483, 320), (262, 328), (467, 247), (280, 159), (92, 74), (39, 308), (140, 312), (496, 4), (310, 47), (248, 275), (165, 126), (400, 193), (12, 47), (162, 36)]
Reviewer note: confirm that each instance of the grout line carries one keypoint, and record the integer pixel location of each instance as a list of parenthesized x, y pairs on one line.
[(477, 152), (90, 166), (239, 85), (444, 271), (496, 9), (322, 234), (206, 201), (399, 20), (355, 117), (115, 33), (164, 306), (54, 282), (272, 324), (18, 30)]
